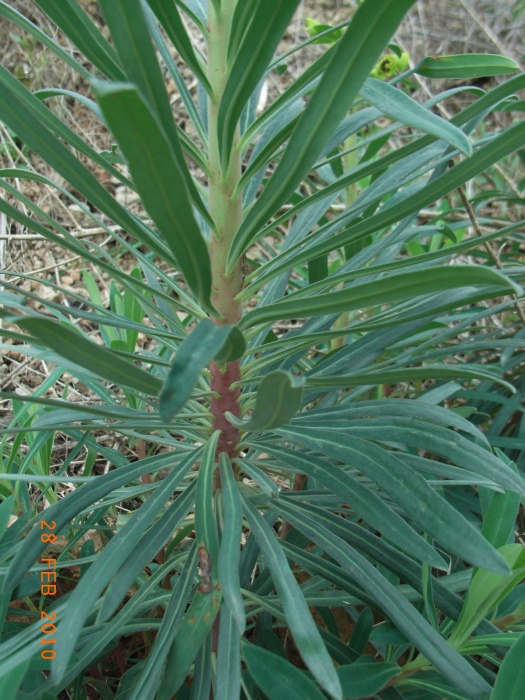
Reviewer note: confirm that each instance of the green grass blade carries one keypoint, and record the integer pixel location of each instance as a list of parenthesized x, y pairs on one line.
[(306, 635), (354, 57), (159, 181)]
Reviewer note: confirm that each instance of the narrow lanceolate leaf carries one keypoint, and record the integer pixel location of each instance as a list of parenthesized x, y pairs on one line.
[(268, 23), (205, 530), (195, 627), (407, 488), (397, 105), (71, 505), (405, 617), (354, 57), (76, 25), (153, 671), (169, 17), (365, 677), (406, 374), (510, 680), (469, 65), (159, 181), (133, 42), (399, 287), (500, 519), (366, 503), (304, 630), (228, 684), (99, 575), (277, 677), (279, 397), (194, 353), (499, 147), (230, 551), (18, 113), (96, 359)]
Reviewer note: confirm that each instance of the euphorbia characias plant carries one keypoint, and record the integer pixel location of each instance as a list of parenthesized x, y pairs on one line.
[(286, 494)]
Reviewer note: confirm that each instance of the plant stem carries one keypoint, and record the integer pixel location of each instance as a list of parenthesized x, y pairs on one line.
[(226, 211)]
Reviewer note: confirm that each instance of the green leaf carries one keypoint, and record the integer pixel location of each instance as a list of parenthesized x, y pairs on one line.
[(487, 590), (10, 682), (399, 106), (195, 627), (406, 487), (304, 630), (169, 17), (18, 111), (228, 684), (279, 397), (365, 502), (72, 504), (406, 618), (204, 342), (76, 25), (500, 519), (365, 676), (230, 552), (18, 19), (483, 158), (406, 374), (510, 680), (149, 544), (277, 677), (159, 181), (6, 509), (108, 562), (206, 536), (233, 348), (353, 58), (469, 65), (129, 31), (96, 359), (257, 47), (398, 287)]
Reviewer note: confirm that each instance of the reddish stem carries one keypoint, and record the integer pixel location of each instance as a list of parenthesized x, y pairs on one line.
[(228, 400)]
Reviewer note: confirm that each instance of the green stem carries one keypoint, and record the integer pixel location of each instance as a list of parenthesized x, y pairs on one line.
[(226, 212)]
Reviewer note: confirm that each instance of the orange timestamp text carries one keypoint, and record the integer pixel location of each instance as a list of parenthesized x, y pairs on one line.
[(48, 587)]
